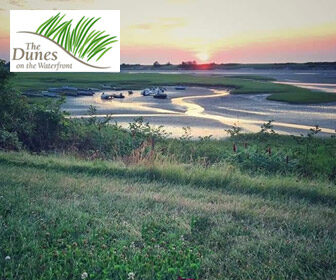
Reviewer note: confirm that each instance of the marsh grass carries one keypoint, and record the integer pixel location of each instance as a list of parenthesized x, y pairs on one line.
[(237, 85)]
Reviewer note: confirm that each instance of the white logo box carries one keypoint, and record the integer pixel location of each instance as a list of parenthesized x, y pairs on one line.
[(31, 52)]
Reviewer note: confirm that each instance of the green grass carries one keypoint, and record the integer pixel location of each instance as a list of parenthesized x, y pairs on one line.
[(239, 84), (61, 217), (312, 157)]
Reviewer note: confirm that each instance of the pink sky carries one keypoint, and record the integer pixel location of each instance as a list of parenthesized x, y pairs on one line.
[(221, 31), (300, 50)]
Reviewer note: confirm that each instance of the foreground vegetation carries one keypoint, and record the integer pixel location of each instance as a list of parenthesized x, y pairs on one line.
[(86, 199), (64, 218), (238, 84)]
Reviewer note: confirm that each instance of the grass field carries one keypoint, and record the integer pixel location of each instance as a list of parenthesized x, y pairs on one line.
[(238, 85), (62, 217)]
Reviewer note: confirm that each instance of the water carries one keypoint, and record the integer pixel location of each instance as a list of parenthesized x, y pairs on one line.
[(211, 111)]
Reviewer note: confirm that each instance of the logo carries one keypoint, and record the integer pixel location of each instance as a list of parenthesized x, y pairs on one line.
[(64, 41)]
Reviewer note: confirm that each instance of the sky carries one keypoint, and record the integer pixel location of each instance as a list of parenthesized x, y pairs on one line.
[(221, 31)]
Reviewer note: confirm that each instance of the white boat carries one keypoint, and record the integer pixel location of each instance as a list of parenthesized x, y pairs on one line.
[(152, 91), (105, 96), (147, 92)]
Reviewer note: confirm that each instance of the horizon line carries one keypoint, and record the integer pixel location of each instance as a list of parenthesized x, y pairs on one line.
[(217, 63)]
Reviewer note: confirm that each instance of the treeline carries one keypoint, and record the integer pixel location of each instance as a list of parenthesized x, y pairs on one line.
[(193, 65)]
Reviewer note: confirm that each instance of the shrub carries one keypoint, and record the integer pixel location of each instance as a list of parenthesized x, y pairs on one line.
[(9, 140)]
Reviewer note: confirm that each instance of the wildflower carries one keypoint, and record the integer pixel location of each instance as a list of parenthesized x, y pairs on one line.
[(131, 275), (7, 258), (84, 275), (234, 148)]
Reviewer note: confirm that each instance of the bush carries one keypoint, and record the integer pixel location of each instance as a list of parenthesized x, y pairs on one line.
[(9, 140), (265, 161)]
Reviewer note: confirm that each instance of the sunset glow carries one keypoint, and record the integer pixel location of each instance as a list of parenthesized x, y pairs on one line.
[(210, 31), (202, 56)]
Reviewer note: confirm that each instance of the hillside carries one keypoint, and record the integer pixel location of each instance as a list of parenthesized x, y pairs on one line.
[(64, 217)]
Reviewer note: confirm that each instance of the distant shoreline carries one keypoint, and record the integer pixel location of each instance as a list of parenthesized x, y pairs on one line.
[(231, 66)]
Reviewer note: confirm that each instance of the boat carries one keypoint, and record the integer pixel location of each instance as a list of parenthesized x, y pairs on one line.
[(83, 91), (106, 96), (54, 89), (120, 95), (146, 92), (69, 88), (160, 95), (152, 91), (69, 92), (94, 89), (180, 88), (49, 94)]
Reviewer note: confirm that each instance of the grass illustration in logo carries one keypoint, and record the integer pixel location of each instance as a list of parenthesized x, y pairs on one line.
[(82, 41)]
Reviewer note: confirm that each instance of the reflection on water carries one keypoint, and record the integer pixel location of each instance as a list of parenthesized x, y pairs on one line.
[(208, 112)]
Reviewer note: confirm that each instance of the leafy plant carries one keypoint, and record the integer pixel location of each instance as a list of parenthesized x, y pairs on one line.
[(267, 128), (186, 136), (314, 131), (81, 41), (234, 130)]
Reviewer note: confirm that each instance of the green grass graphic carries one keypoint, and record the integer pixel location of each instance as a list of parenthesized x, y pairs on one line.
[(82, 40)]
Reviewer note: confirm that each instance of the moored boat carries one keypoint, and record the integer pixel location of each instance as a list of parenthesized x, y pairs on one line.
[(120, 95), (105, 96), (83, 91), (160, 95)]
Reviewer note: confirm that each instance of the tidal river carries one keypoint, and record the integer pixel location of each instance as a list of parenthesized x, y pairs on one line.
[(211, 111)]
